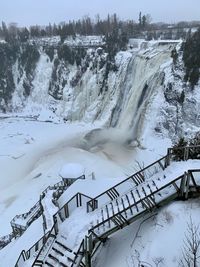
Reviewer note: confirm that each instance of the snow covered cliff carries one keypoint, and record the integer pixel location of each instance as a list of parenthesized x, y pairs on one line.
[(78, 83)]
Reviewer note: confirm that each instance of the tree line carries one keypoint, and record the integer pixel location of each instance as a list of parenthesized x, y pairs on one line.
[(84, 26)]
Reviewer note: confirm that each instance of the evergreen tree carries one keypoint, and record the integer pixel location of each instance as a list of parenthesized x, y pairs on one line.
[(5, 31), (23, 35), (144, 20), (191, 58), (140, 19)]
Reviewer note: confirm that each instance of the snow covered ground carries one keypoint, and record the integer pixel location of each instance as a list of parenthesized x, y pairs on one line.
[(148, 241), (32, 154)]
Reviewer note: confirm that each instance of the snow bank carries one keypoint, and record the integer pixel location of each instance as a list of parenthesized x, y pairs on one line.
[(71, 170)]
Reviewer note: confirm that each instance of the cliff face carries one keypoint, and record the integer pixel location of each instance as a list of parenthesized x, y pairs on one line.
[(78, 83)]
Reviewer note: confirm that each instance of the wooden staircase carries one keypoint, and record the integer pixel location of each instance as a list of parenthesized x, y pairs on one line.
[(57, 253), (149, 190), (130, 206)]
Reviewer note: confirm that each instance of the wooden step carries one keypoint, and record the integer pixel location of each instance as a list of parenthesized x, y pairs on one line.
[(63, 264), (124, 208), (112, 193), (53, 257), (119, 220), (133, 197), (108, 215), (57, 251), (57, 260), (129, 203), (154, 184), (49, 264), (38, 263), (145, 202), (63, 246)]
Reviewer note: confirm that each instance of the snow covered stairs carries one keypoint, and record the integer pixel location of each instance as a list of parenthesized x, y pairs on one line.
[(55, 254), (21, 222), (130, 206), (44, 251), (133, 180), (49, 207)]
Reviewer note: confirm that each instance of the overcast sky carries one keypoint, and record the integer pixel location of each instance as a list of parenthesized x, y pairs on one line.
[(31, 12)]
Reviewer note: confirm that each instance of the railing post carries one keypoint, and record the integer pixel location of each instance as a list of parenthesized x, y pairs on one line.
[(55, 224), (92, 205), (44, 222), (88, 250), (187, 185), (88, 207), (182, 185), (95, 204), (167, 159)]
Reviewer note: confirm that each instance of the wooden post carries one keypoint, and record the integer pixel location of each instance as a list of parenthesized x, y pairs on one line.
[(55, 224), (88, 251), (182, 185), (167, 159), (77, 200), (95, 204), (187, 185)]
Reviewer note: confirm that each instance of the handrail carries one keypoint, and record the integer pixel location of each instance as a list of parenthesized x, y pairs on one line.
[(189, 171), (48, 235), (137, 202), (78, 252), (36, 209), (128, 178), (166, 158), (76, 195), (91, 202), (22, 254), (37, 242)]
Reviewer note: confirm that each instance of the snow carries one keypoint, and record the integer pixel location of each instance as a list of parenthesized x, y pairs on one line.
[(80, 40), (45, 40), (44, 149), (25, 147), (35, 153), (71, 170), (160, 236), (11, 252), (49, 209)]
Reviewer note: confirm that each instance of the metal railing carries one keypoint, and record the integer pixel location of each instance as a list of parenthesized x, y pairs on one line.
[(137, 178), (80, 199)]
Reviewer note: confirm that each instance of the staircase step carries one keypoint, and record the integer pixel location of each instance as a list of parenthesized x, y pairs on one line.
[(63, 246), (57, 260), (49, 264), (53, 257), (63, 264), (57, 251)]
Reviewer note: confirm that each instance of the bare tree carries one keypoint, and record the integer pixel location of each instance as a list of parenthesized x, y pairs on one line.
[(191, 248), (158, 261)]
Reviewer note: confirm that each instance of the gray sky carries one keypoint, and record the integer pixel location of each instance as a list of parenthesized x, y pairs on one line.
[(31, 12)]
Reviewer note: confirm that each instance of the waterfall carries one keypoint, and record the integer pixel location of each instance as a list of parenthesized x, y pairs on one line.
[(144, 75)]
